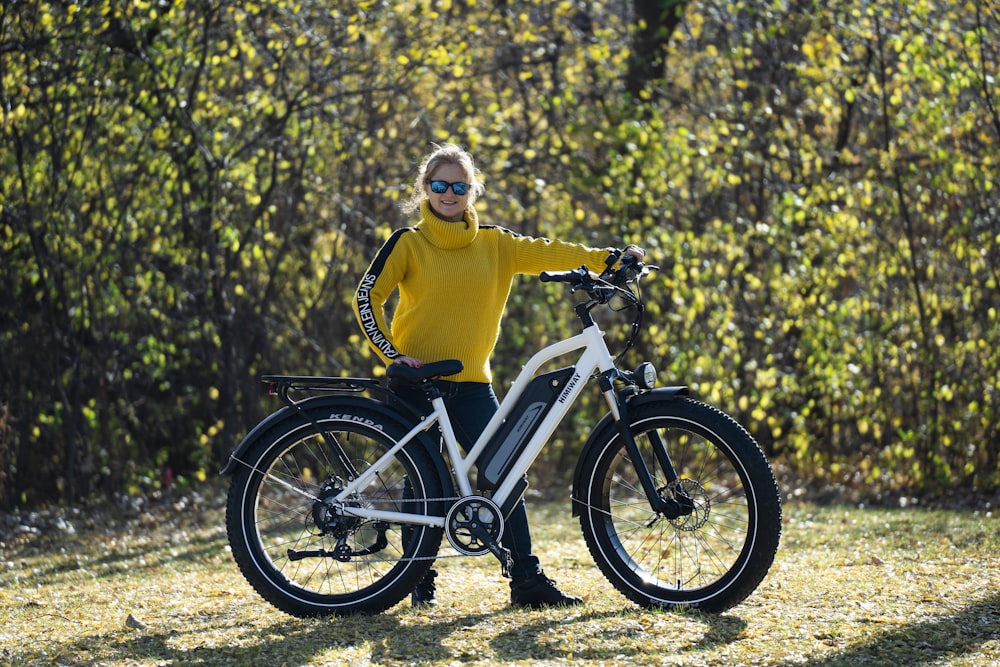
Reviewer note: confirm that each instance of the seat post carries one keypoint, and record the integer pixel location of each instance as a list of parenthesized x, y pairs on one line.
[(431, 389)]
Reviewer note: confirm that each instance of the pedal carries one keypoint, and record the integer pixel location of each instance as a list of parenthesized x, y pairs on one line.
[(502, 554), (506, 561)]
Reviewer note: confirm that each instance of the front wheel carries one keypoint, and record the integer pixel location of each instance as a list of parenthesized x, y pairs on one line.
[(717, 545)]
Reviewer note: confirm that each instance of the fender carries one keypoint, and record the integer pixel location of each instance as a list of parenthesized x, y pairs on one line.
[(608, 422), (324, 405)]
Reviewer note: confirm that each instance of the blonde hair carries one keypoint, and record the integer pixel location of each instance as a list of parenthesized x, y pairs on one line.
[(441, 155)]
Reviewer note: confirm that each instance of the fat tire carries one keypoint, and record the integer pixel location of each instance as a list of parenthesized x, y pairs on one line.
[(711, 559), (264, 519)]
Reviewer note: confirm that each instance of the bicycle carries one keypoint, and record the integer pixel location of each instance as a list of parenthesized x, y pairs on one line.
[(339, 501)]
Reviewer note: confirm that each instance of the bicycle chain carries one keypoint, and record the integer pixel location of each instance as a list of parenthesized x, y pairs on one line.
[(451, 499)]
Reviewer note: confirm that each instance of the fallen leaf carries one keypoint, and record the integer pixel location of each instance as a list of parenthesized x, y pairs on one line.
[(135, 623)]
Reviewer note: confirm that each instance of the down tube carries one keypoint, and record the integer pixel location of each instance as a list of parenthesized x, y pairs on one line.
[(588, 363), (580, 341)]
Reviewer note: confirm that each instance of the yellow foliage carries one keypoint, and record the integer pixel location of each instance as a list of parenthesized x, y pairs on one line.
[(827, 242)]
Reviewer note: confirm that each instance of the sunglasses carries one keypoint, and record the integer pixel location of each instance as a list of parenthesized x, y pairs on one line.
[(441, 187)]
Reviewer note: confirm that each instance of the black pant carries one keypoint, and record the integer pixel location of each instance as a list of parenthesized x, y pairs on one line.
[(471, 405)]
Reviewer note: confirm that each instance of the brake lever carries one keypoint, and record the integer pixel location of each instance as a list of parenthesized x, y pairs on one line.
[(628, 263)]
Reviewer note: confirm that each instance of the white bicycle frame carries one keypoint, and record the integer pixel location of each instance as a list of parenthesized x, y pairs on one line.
[(595, 357)]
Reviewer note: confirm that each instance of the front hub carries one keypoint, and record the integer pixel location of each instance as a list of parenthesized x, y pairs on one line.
[(687, 504)]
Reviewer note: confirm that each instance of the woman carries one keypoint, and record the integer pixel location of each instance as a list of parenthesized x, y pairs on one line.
[(454, 277)]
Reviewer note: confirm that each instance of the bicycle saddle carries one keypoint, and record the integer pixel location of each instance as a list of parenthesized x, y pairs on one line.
[(404, 373)]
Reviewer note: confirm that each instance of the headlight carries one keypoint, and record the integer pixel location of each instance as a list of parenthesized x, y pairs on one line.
[(645, 375)]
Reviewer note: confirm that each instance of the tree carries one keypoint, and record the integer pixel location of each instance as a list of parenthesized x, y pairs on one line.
[(190, 193)]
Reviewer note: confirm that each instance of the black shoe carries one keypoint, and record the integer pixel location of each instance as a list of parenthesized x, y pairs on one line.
[(539, 591), (425, 594)]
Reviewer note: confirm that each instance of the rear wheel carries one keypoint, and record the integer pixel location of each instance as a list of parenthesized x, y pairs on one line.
[(309, 557), (716, 549)]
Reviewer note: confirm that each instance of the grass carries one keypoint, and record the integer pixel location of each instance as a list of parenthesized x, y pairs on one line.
[(849, 587)]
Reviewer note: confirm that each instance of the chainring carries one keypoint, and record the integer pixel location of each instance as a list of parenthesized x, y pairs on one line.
[(469, 521)]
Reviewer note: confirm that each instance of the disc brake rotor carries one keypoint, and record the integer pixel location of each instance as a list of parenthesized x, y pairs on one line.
[(689, 491)]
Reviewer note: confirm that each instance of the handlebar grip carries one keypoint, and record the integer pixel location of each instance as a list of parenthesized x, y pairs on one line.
[(572, 277)]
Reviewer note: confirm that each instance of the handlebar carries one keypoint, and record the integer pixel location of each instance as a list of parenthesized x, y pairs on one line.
[(604, 286), (574, 277), (621, 281)]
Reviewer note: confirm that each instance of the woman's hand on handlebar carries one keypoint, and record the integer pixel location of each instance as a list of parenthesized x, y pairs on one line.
[(635, 252), (629, 259)]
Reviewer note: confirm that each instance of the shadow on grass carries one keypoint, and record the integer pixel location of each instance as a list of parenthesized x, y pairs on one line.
[(400, 638), (391, 638), (948, 637), (533, 641), (63, 567), (292, 641)]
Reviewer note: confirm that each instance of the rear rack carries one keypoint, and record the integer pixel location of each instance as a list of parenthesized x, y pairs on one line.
[(279, 384)]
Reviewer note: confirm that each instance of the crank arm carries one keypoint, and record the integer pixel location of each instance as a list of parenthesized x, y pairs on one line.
[(502, 554)]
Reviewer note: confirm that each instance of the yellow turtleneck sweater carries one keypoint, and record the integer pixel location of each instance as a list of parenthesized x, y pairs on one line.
[(454, 279)]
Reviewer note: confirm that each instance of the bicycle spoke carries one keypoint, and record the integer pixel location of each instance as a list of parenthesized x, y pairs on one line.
[(700, 545)]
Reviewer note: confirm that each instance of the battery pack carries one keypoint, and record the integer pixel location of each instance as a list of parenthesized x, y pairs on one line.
[(522, 422)]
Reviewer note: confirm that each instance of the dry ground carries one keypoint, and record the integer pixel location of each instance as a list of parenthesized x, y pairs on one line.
[(850, 586)]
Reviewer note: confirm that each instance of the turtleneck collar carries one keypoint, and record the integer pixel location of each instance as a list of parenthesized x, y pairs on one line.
[(448, 235)]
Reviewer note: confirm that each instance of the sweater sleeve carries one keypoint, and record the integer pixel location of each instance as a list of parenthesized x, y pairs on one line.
[(534, 255), (377, 285)]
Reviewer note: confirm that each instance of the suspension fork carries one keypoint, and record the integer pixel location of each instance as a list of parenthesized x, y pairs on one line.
[(679, 504)]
